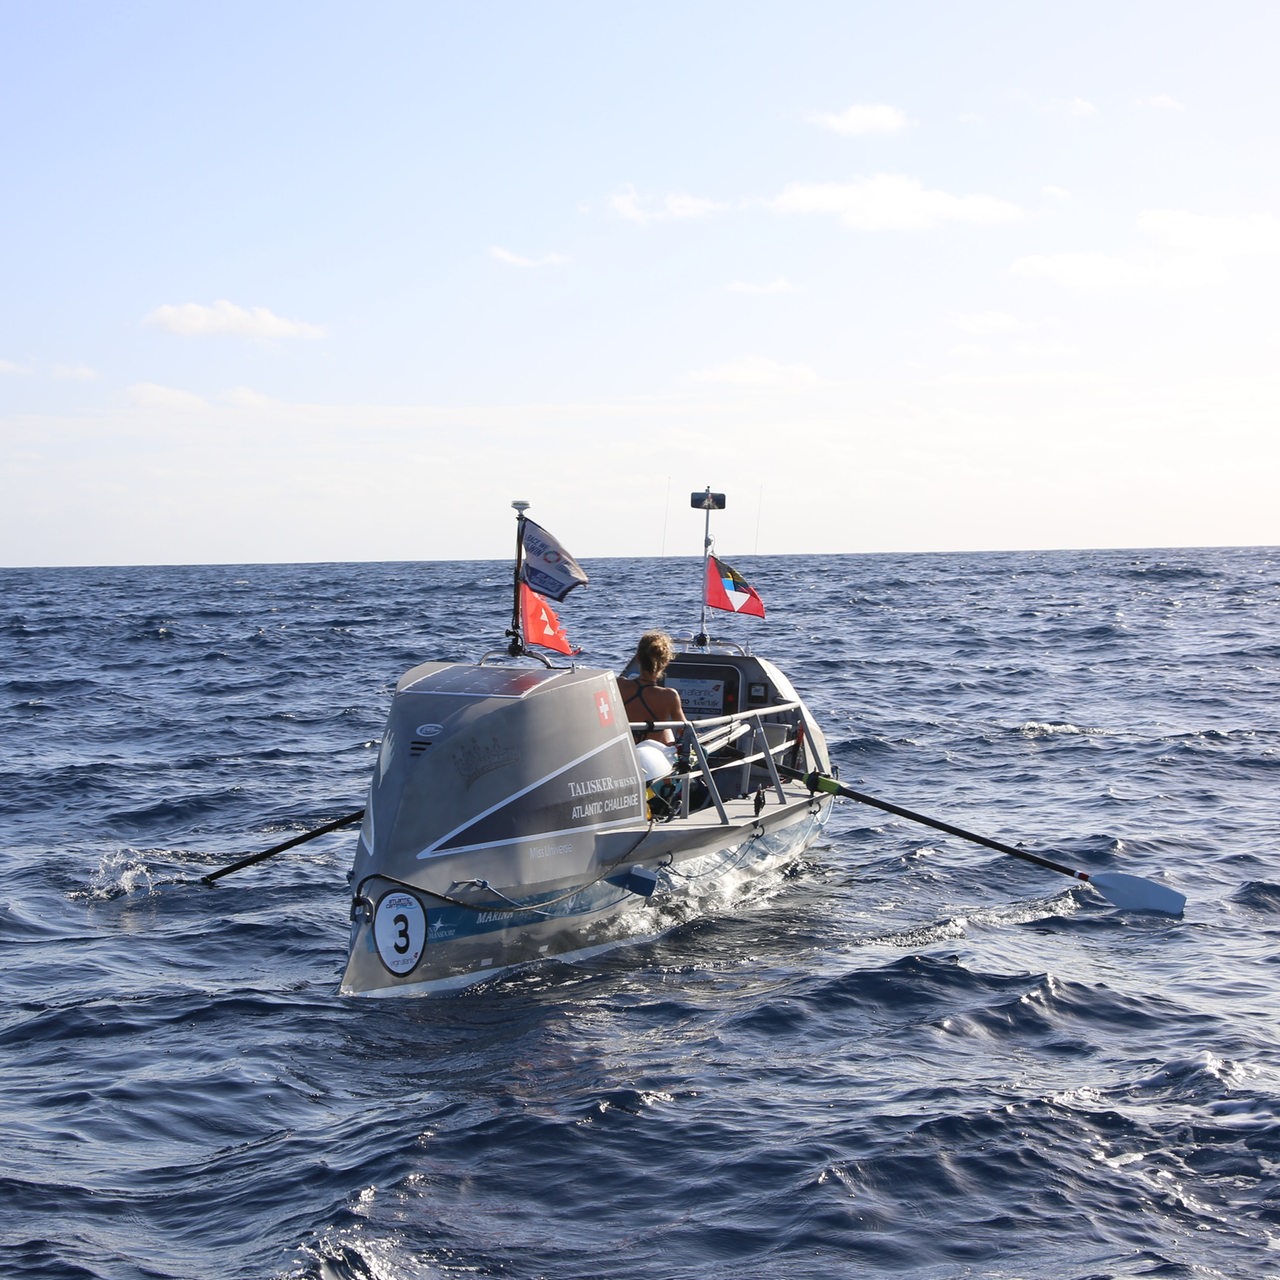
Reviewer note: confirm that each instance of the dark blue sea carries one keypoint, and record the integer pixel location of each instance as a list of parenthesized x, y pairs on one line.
[(907, 1056)]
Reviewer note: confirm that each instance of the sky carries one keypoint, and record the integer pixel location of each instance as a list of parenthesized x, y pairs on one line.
[(289, 282)]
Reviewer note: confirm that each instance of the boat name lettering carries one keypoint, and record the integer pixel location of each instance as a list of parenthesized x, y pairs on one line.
[(493, 917), (549, 850), (593, 786), (613, 804)]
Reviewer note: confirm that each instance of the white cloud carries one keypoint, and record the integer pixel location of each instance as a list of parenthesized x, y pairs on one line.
[(891, 202), (756, 371), (1187, 249), (779, 285), (1162, 102), (1084, 272), (1094, 272), (1046, 351), (1219, 236), (74, 372), (673, 206), (192, 318), (151, 395), (247, 398), (1020, 358), (1073, 108), (863, 118), (516, 260), (980, 324)]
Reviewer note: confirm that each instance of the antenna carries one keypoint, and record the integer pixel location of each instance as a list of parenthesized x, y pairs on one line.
[(707, 502)]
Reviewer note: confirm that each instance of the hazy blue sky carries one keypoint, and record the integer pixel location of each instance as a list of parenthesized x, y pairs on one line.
[(316, 281)]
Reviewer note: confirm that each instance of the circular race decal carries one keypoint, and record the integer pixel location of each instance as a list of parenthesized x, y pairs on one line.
[(399, 931)]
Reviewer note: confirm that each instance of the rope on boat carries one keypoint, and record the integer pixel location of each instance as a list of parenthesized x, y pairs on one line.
[(744, 848), (538, 908)]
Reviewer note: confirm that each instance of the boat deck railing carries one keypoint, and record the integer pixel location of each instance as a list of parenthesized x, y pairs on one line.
[(731, 754)]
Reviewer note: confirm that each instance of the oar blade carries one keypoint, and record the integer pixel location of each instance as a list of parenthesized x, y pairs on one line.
[(1134, 893)]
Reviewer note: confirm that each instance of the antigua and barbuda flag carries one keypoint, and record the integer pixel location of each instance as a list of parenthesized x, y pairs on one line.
[(727, 589), (546, 566), (539, 623)]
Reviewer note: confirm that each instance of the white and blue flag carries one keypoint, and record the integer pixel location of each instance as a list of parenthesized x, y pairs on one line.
[(548, 568)]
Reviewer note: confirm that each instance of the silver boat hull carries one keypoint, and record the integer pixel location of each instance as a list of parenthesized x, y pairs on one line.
[(510, 821)]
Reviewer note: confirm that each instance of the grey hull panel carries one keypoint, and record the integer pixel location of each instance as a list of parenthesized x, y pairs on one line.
[(407, 940)]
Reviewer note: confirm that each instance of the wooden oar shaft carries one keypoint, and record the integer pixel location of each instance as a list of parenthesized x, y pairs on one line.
[(280, 848)]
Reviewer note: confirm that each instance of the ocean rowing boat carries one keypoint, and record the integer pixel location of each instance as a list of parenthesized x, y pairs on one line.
[(513, 817)]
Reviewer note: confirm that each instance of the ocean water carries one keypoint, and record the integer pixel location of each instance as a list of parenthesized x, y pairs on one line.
[(907, 1056)]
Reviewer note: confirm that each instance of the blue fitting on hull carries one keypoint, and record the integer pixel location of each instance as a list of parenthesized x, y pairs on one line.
[(641, 881)]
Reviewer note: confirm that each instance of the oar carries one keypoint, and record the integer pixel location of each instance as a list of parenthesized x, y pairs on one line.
[(280, 848), (1133, 893)]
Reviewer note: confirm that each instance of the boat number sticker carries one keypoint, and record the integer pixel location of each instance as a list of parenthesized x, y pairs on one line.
[(399, 931)]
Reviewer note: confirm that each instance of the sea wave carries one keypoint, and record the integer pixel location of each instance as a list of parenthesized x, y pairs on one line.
[(904, 1055)]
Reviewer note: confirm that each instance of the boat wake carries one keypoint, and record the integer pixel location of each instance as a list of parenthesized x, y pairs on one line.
[(964, 924)]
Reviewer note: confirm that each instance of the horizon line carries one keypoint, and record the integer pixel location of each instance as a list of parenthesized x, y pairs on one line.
[(747, 555)]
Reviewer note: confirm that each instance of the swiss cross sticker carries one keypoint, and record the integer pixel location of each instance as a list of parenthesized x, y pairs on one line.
[(603, 710)]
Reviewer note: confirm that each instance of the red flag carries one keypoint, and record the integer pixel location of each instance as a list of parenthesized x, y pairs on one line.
[(727, 589), (539, 622)]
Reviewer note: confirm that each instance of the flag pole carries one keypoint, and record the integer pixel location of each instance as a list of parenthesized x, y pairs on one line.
[(516, 647), (707, 503)]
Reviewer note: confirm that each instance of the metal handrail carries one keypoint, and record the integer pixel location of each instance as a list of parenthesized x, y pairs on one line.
[(690, 735)]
